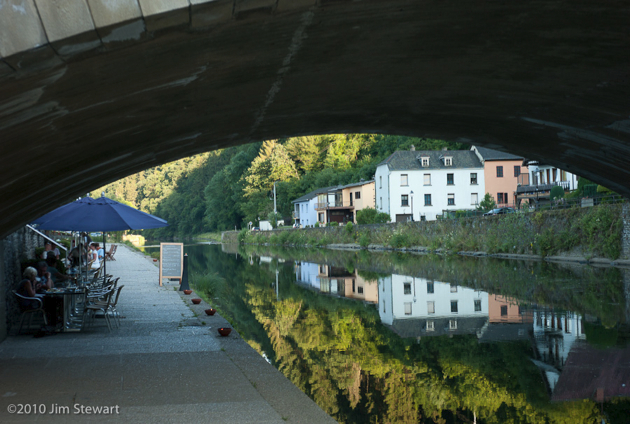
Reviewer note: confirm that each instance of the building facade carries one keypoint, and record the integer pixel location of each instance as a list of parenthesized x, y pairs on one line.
[(341, 204), (501, 174), (420, 185), (305, 208)]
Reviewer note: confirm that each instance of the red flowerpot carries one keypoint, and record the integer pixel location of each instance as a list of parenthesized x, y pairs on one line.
[(211, 311), (154, 260), (187, 291), (225, 331), (196, 301)]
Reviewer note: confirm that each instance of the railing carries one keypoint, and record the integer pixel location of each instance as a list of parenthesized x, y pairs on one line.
[(526, 207), (337, 204), (296, 215), (566, 185)]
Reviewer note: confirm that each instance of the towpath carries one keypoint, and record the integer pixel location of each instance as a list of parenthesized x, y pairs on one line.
[(162, 365)]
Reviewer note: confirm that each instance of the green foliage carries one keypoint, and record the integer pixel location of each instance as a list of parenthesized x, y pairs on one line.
[(349, 228), (155, 255), (317, 224), (557, 192), (487, 204), (371, 216), (273, 219), (333, 224), (364, 240), (242, 235)]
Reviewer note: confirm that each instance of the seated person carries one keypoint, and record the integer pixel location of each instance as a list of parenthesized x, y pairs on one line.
[(55, 275), (28, 287), (43, 276)]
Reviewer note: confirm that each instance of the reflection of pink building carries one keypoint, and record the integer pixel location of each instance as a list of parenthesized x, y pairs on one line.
[(358, 288), (504, 309), (337, 281), (501, 171)]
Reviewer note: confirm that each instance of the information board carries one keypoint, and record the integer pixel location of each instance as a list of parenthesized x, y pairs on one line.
[(171, 260)]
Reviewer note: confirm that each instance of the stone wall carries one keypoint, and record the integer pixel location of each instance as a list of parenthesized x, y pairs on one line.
[(14, 249)]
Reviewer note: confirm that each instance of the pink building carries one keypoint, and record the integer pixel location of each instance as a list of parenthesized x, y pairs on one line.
[(501, 171)]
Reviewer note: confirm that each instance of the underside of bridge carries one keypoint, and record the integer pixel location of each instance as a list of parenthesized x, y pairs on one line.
[(94, 90)]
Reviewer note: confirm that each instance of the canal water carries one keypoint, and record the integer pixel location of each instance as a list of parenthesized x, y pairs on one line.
[(404, 338)]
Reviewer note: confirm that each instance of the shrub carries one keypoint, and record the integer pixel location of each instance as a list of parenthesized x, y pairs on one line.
[(364, 240), (317, 224), (242, 235), (371, 216), (557, 192), (349, 228), (333, 224)]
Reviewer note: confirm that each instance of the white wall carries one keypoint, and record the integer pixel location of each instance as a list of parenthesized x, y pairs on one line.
[(439, 190), (308, 214), (381, 184)]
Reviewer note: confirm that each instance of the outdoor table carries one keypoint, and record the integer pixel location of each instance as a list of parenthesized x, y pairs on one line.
[(71, 297)]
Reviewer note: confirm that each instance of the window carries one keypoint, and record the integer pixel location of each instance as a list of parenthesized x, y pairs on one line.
[(404, 200), (425, 162), (423, 218), (380, 182), (404, 180), (452, 324), (427, 179), (427, 200), (448, 161), (431, 307), (504, 310), (430, 325), (450, 180), (321, 217), (517, 170), (407, 308), (499, 172), (357, 195), (407, 288), (454, 306), (451, 199), (430, 288), (381, 203), (474, 199), (502, 198), (477, 305), (453, 289), (473, 178), (360, 289)]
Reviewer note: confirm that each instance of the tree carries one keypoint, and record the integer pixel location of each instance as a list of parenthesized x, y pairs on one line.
[(557, 192), (487, 203), (272, 164)]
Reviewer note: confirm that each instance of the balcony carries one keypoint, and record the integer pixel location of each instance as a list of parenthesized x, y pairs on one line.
[(296, 214), (334, 205), (536, 188)]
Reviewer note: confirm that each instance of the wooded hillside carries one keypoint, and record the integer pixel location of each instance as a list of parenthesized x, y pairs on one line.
[(227, 188)]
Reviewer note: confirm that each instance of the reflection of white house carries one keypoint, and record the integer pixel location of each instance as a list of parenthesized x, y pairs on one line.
[(416, 306)]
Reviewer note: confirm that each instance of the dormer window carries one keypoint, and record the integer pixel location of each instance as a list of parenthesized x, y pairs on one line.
[(448, 161), (425, 161)]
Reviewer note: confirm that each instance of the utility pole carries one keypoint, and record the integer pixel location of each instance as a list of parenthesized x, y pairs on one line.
[(274, 198)]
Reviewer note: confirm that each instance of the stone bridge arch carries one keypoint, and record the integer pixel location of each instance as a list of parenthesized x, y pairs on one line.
[(94, 90)]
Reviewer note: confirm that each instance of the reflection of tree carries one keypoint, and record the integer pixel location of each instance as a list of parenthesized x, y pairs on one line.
[(336, 351)]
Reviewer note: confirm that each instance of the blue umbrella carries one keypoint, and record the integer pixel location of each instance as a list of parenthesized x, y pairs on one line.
[(101, 215)]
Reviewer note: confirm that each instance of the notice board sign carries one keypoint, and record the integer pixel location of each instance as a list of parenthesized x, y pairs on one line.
[(171, 260)]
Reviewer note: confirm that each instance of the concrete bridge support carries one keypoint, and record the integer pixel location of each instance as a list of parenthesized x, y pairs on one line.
[(94, 90)]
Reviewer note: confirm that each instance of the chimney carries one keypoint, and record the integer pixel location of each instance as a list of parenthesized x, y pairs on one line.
[(412, 148)]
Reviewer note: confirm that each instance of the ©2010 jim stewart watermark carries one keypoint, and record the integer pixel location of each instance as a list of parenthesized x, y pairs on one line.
[(55, 409)]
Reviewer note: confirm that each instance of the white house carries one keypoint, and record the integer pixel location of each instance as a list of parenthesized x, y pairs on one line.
[(415, 306), (304, 208), (420, 185)]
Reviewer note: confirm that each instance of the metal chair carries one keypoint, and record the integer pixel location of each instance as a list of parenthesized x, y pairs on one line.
[(25, 311)]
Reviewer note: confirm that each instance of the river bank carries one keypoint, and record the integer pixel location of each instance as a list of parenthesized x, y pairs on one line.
[(597, 235)]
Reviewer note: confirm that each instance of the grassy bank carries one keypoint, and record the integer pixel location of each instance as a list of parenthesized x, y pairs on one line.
[(589, 232)]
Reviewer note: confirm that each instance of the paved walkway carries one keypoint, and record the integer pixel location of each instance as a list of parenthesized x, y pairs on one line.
[(161, 365)]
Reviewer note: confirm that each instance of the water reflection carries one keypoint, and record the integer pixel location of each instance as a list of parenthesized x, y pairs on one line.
[(405, 338)]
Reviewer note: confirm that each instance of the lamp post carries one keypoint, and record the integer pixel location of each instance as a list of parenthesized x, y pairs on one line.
[(411, 193)]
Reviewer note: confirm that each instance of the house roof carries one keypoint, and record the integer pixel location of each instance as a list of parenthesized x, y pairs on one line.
[(491, 154), (312, 194), (341, 187), (407, 160)]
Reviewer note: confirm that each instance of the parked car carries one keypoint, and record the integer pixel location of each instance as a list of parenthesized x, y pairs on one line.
[(296, 225), (256, 229), (499, 211)]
